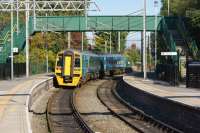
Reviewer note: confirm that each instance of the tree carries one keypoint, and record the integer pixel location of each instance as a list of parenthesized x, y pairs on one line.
[(133, 55), (104, 36), (179, 7)]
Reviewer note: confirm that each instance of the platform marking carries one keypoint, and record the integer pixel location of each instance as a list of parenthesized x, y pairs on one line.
[(4, 100)]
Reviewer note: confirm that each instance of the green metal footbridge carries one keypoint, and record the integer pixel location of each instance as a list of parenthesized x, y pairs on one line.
[(72, 24), (172, 29)]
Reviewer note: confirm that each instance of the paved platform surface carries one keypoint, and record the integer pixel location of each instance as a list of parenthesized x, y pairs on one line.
[(13, 96), (188, 96)]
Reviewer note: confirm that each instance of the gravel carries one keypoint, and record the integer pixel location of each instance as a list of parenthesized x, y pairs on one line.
[(97, 116), (38, 114)]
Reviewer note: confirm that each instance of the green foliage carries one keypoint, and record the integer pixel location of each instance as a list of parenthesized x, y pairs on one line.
[(133, 55), (179, 7), (20, 58), (101, 37)]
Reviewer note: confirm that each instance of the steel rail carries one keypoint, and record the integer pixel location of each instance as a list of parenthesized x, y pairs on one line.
[(52, 117), (141, 116)]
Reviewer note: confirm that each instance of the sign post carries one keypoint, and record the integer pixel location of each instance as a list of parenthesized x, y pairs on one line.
[(171, 54)]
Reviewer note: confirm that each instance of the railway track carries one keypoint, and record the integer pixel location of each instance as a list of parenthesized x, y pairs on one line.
[(62, 114), (130, 115)]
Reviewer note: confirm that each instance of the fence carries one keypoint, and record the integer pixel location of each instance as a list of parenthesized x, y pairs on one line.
[(193, 75), (5, 70), (167, 72), (20, 69)]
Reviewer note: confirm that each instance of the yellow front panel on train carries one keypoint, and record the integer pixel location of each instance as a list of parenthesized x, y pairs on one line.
[(67, 69)]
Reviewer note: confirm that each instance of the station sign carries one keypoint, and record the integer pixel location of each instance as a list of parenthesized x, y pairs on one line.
[(168, 53), (15, 50)]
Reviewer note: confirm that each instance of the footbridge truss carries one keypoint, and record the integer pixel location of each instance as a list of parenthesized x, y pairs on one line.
[(95, 23), (44, 6)]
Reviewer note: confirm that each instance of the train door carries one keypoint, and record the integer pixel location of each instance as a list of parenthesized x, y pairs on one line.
[(59, 65), (77, 66), (68, 67)]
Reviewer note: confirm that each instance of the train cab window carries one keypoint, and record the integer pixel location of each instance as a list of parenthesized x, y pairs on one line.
[(60, 61), (77, 62)]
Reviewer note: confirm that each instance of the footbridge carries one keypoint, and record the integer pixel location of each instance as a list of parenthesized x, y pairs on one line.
[(71, 24), (173, 29), (95, 23)]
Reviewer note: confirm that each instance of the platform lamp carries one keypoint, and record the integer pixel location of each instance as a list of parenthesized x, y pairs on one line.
[(168, 7), (144, 41), (156, 23), (110, 33), (12, 42)]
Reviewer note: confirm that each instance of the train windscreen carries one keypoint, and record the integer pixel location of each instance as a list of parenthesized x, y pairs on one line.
[(77, 62), (60, 61)]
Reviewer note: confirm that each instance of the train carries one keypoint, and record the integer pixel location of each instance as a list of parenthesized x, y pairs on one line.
[(73, 68)]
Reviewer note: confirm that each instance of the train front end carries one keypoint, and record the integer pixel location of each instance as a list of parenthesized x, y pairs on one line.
[(68, 68)]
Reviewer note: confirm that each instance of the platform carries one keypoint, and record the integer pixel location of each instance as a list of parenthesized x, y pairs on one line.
[(13, 104), (188, 96)]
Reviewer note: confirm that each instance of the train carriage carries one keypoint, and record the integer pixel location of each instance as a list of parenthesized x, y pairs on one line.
[(74, 68)]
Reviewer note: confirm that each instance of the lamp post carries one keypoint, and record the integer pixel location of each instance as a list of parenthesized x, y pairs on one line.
[(17, 17), (34, 15), (12, 39), (69, 40), (119, 42), (27, 38), (144, 42), (168, 7), (82, 41), (86, 20), (105, 47), (156, 23), (110, 40), (110, 43)]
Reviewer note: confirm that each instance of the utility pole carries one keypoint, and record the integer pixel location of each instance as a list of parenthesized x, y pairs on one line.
[(47, 57), (168, 10), (12, 39), (144, 41), (46, 45), (17, 17), (86, 15), (110, 42), (34, 15), (119, 42), (141, 51), (149, 44), (69, 40), (27, 38), (82, 41), (156, 23), (105, 47)]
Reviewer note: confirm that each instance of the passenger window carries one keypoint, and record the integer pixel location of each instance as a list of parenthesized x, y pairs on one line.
[(60, 61), (77, 62)]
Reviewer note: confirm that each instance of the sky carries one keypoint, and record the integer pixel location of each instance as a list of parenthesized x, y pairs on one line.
[(125, 7)]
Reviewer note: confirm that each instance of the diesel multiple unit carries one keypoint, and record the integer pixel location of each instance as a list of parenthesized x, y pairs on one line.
[(74, 68)]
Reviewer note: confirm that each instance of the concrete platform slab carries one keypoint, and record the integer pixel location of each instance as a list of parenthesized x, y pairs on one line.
[(188, 96), (13, 103)]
